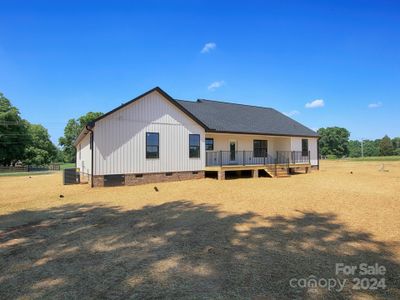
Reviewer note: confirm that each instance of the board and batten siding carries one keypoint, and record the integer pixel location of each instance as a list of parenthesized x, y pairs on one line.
[(245, 142), (120, 139), (312, 147), (84, 155)]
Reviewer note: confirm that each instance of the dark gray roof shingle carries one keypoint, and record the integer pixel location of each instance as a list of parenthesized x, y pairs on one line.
[(231, 117)]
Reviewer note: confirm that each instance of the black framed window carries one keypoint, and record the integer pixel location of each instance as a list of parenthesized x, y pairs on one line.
[(152, 145), (194, 145), (260, 148), (209, 144), (304, 147)]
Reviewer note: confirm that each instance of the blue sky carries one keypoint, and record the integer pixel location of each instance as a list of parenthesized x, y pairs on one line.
[(59, 60)]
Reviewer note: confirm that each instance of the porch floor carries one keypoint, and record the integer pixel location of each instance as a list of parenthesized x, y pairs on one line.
[(254, 167), (273, 170)]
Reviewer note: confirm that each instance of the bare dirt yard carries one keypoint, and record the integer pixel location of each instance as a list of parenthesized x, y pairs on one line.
[(242, 238)]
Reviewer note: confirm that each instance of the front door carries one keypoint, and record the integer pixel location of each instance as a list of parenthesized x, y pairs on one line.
[(232, 151)]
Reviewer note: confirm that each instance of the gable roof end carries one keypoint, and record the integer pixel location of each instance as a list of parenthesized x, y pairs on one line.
[(156, 89), (166, 96)]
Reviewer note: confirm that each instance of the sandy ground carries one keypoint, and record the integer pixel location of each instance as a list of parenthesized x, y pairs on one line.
[(242, 238)]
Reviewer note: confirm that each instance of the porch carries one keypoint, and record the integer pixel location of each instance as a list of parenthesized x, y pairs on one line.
[(281, 165), (249, 158)]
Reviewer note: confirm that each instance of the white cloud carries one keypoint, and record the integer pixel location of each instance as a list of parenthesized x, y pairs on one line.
[(292, 113), (216, 84), (375, 105), (208, 47), (316, 103)]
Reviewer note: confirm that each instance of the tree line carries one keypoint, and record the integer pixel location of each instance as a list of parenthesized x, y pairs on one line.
[(30, 144), (335, 142)]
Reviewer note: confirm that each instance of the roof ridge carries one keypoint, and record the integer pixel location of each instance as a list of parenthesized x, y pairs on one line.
[(241, 104), (191, 101)]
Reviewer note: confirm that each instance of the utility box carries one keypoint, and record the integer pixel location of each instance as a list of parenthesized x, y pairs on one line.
[(71, 176)]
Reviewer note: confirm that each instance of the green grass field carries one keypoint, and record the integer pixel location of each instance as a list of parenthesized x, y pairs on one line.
[(33, 173), (375, 158), (26, 173), (67, 165)]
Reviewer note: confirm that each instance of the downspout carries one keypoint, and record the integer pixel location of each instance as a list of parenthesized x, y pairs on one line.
[(88, 128), (318, 152)]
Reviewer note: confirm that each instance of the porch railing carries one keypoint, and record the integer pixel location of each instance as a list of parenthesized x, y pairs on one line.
[(294, 157), (245, 158)]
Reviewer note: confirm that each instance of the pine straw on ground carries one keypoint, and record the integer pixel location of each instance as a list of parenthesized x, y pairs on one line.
[(243, 238)]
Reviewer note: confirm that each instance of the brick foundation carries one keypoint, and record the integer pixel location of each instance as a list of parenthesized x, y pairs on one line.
[(136, 179), (98, 180)]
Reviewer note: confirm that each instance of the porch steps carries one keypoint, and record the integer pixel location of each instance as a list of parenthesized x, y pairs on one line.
[(270, 172), (277, 171)]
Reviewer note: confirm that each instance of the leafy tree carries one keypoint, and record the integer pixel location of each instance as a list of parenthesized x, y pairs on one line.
[(396, 143), (13, 133), (71, 132), (40, 150), (60, 156), (386, 146), (334, 141), (354, 148), (371, 148)]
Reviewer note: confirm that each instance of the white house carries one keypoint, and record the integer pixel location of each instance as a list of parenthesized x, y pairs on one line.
[(156, 138)]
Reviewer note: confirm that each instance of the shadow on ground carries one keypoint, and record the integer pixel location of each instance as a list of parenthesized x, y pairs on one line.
[(180, 250)]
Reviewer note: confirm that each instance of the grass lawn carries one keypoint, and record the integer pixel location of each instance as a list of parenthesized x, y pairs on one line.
[(376, 158), (233, 239), (27, 174), (33, 173), (67, 165)]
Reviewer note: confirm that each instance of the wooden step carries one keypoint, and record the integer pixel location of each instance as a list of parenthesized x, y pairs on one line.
[(270, 172), (280, 172)]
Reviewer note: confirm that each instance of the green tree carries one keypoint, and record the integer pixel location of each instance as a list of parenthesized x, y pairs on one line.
[(386, 146), (354, 148), (13, 133), (40, 150), (334, 141), (371, 148), (71, 132), (396, 143), (60, 156)]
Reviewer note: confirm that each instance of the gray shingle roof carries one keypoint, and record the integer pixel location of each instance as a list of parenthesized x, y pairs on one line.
[(231, 117)]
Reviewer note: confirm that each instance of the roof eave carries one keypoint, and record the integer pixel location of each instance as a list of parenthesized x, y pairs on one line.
[(263, 133), (83, 133)]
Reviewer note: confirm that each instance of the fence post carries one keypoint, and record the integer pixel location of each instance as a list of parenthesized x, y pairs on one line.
[(220, 158), (309, 157), (244, 158), (264, 159)]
